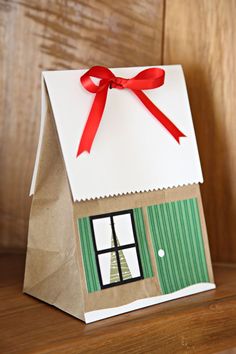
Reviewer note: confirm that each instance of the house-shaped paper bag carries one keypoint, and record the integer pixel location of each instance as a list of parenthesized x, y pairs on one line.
[(117, 222)]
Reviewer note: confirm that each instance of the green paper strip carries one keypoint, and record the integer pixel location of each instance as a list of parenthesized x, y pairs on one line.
[(142, 243), (89, 259)]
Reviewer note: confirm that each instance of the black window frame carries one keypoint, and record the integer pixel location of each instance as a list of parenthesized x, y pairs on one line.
[(116, 248)]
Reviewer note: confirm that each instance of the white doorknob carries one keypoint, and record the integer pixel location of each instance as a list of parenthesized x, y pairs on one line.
[(161, 253)]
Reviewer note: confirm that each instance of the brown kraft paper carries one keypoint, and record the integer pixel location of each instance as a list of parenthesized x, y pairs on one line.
[(54, 268)]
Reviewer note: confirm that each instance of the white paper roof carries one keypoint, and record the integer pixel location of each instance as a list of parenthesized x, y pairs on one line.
[(132, 152)]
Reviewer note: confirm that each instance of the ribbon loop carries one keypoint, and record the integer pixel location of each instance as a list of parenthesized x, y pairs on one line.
[(147, 79)]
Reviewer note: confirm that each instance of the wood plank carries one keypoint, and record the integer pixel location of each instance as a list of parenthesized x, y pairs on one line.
[(38, 35), (202, 323), (201, 35)]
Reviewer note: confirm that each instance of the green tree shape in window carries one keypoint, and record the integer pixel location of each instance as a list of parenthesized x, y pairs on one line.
[(114, 274)]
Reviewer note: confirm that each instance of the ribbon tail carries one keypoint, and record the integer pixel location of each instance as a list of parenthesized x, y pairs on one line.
[(93, 121), (166, 122)]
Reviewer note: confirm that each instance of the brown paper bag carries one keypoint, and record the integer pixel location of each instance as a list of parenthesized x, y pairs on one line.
[(78, 258)]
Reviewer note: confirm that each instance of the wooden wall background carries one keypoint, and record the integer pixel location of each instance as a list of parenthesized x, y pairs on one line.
[(59, 34)]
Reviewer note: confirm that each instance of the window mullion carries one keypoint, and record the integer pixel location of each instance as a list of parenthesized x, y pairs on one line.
[(116, 248)]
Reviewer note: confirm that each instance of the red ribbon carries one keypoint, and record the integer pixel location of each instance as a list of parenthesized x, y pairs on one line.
[(145, 80)]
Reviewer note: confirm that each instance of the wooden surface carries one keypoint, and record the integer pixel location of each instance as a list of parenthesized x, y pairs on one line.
[(40, 34), (202, 37), (202, 323)]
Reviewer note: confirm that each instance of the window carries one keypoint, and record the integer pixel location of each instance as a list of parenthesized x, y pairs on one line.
[(131, 235), (116, 248)]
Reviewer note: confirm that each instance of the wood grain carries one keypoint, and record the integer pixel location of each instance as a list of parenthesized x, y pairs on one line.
[(203, 323), (40, 34), (201, 35)]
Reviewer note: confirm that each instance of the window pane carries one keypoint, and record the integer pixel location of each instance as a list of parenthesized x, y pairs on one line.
[(129, 263), (103, 232), (109, 268), (123, 228)]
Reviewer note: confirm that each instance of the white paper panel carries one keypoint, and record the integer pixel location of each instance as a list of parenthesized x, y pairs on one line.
[(132, 152)]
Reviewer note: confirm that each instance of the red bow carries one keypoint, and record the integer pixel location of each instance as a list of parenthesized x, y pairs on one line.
[(146, 79)]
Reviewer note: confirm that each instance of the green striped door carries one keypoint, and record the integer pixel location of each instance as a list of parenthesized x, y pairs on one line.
[(178, 245)]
